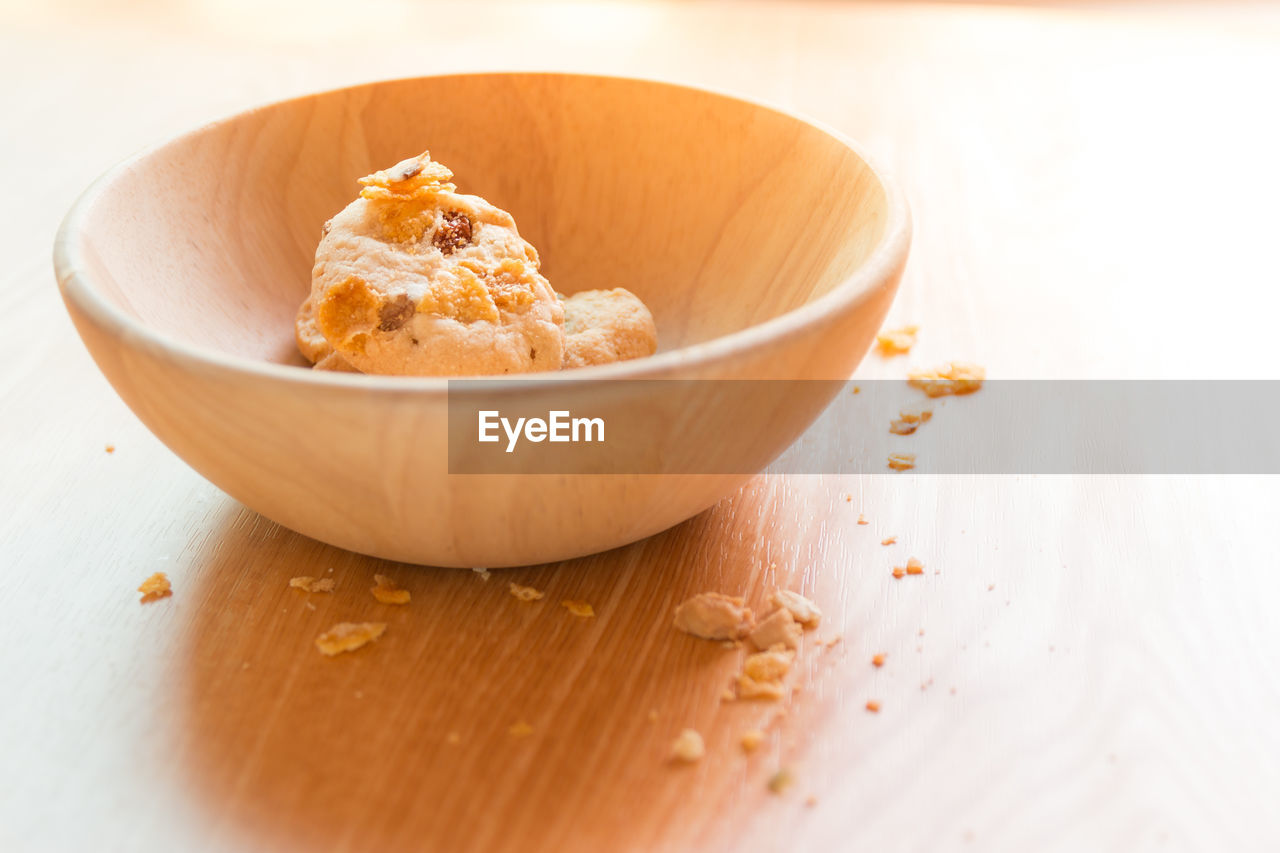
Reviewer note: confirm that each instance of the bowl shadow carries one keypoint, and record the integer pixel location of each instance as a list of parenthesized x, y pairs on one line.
[(407, 743)]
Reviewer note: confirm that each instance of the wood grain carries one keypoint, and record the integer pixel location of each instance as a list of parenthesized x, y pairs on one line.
[(1093, 191)]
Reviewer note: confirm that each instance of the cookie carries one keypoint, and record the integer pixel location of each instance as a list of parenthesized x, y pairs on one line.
[(414, 278), (604, 326)]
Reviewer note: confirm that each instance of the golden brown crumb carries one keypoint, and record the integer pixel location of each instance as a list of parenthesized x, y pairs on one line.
[(388, 592), (902, 461), (310, 584), (520, 729), (713, 616), (111, 448), (956, 377), (752, 739), (910, 421), (778, 628), (878, 660), (524, 593), (780, 781), (898, 572), (897, 341), (848, 499), (915, 567), (155, 588), (749, 688), (688, 746), (862, 519), (579, 608), (762, 674), (873, 706), (891, 540), (349, 636), (857, 390), (802, 609), (727, 695)]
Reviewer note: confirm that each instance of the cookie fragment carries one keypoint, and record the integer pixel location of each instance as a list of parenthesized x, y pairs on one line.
[(751, 740), (902, 461), (714, 616), (349, 636), (605, 326), (779, 628), (579, 608), (802, 609), (310, 584), (155, 588), (524, 593), (688, 747), (953, 378), (763, 673), (388, 592), (897, 341)]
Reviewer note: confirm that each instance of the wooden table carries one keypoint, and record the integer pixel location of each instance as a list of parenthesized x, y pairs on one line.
[(1087, 663)]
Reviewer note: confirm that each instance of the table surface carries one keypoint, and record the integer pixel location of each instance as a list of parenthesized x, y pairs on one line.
[(1087, 663)]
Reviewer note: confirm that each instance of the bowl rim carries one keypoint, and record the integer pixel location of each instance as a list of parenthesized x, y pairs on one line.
[(74, 281)]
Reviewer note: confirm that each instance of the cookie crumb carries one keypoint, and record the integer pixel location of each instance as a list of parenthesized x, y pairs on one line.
[(898, 572), (524, 593), (688, 747), (579, 608), (802, 609), (483, 573), (878, 660), (914, 566), (714, 616), (520, 729), (889, 540), (778, 628), (954, 378), (862, 519), (751, 740), (155, 588), (780, 781), (388, 592), (897, 341), (762, 674), (349, 636), (873, 706), (902, 461), (857, 390), (111, 448), (310, 584)]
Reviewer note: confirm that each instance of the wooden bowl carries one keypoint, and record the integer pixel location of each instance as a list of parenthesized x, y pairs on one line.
[(765, 245)]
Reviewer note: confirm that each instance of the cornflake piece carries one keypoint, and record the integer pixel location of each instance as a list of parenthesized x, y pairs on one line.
[(956, 378), (155, 588), (780, 781), (897, 341), (483, 573), (802, 609), (915, 567), (713, 616), (520, 729), (891, 540), (688, 747), (111, 448), (899, 572), (778, 628), (388, 592), (878, 660), (349, 636), (873, 706), (902, 461), (524, 593), (862, 519), (762, 674), (579, 608), (751, 740)]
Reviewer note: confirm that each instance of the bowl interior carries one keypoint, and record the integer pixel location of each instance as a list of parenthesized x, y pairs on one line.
[(719, 213)]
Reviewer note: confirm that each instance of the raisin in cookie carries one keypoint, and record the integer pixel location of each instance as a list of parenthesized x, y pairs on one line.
[(604, 326), (415, 278)]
